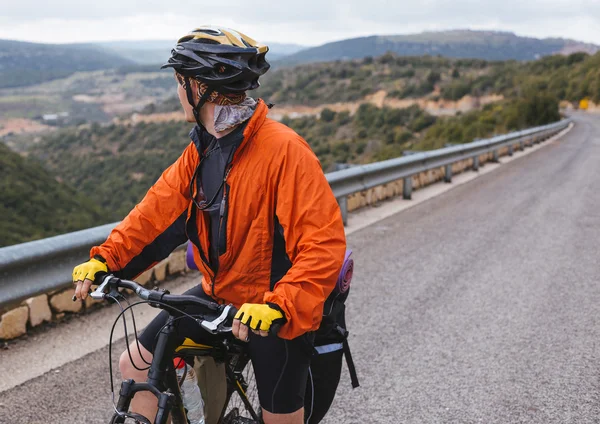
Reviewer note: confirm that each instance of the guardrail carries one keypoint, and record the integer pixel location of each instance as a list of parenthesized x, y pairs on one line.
[(364, 177), (41, 266)]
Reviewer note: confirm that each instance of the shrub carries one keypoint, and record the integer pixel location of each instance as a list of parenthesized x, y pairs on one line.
[(327, 115)]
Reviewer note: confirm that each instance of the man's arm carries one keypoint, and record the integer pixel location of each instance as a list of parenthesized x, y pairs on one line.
[(314, 238), (156, 226)]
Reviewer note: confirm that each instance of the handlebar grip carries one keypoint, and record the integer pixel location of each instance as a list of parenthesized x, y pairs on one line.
[(232, 313), (98, 277), (274, 329)]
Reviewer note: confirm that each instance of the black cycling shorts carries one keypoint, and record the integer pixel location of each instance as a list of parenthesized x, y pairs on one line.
[(280, 366)]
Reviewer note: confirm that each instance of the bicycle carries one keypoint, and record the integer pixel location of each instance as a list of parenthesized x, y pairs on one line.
[(162, 378)]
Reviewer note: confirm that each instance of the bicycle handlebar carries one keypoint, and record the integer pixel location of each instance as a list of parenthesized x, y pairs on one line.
[(221, 324), (226, 313)]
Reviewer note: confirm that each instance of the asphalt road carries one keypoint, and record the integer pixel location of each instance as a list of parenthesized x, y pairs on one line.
[(481, 305)]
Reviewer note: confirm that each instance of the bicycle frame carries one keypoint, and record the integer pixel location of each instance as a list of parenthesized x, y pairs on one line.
[(162, 382), (162, 378)]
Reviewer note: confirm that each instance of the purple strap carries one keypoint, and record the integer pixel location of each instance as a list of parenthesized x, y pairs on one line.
[(189, 257)]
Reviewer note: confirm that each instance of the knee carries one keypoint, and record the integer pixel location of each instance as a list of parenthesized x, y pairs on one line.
[(139, 358), (293, 418)]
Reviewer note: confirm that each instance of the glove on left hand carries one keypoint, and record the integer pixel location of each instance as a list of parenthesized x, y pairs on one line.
[(260, 317)]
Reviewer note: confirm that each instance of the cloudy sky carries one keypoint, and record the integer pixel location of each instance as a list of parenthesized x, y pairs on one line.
[(306, 22)]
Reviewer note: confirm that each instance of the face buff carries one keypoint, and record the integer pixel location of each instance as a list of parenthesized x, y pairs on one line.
[(230, 109), (229, 116)]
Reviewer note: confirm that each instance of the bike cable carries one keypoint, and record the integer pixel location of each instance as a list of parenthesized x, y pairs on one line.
[(121, 314), (127, 336), (137, 342)]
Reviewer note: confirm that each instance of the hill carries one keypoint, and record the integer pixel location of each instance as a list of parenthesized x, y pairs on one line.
[(351, 80), (89, 96), (567, 77), (118, 163), (23, 63), (34, 205), (487, 45)]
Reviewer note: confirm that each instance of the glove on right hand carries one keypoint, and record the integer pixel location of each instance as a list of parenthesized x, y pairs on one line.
[(85, 274)]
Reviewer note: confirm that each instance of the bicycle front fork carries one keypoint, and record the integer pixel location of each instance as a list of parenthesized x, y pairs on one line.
[(166, 402)]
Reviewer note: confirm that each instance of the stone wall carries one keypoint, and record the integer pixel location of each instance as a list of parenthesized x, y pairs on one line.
[(55, 305)]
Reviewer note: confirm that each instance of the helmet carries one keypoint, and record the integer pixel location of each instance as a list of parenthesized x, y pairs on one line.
[(223, 59)]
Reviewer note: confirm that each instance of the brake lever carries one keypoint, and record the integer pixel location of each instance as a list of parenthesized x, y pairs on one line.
[(217, 325), (100, 289), (99, 294)]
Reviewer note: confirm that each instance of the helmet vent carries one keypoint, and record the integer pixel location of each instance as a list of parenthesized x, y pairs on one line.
[(208, 31)]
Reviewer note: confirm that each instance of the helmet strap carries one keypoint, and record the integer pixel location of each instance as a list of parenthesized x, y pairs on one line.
[(201, 102)]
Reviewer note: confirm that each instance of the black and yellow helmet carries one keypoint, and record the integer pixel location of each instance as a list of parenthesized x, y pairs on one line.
[(225, 60)]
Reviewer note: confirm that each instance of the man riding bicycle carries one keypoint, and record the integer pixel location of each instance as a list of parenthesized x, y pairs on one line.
[(251, 197)]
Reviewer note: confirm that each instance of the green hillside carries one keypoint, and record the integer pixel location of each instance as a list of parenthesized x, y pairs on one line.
[(23, 64), (375, 134), (488, 45), (566, 77), (346, 81), (118, 163), (34, 205)]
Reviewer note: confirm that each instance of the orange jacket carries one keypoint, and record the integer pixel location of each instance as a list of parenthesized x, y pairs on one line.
[(284, 240)]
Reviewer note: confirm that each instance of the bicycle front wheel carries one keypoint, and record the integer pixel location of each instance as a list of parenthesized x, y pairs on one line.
[(243, 406)]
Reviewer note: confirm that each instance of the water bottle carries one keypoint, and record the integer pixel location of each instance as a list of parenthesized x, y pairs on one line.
[(190, 392)]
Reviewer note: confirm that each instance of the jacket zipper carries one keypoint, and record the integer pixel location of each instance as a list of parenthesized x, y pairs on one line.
[(221, 214)]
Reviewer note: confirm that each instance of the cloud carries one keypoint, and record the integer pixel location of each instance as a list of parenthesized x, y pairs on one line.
[(308, 22)]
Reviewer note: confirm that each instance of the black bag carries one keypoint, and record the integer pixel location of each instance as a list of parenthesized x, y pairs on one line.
[(331, 345)]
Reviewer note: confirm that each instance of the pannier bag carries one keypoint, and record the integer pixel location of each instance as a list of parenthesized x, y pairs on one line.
[(331, 345)]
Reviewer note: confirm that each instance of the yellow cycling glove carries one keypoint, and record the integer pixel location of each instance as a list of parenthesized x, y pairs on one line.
[(260, 317), (89, 270)]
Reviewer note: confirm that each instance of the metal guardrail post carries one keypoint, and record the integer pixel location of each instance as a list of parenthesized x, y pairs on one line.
[(448, 175), (496, 157), (476, 163), (521, 145), (407, 188), (510, 150), (343, 202)]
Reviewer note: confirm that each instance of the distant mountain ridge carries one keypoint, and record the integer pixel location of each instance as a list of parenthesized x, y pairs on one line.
[(488, 45), (23, 63), (153, 52)]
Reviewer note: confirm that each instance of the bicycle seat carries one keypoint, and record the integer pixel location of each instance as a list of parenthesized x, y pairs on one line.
[(190, 347)]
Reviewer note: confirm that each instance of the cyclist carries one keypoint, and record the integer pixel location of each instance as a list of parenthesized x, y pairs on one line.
[(251, 197)]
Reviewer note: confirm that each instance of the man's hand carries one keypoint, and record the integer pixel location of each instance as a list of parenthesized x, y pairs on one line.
[(84, 276), (258, 317)]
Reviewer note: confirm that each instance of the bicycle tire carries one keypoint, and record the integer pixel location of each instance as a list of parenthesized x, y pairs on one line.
[(131, 419), (236, 411)]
